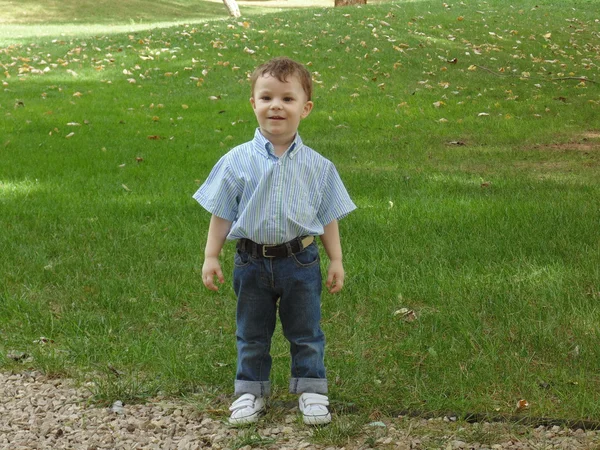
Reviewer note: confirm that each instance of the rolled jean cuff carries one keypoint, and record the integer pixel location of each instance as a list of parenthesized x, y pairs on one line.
[(308, 385), (256, 388)]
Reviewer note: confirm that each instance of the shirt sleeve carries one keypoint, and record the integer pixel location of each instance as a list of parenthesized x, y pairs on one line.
[(221, 192), (335, 203)]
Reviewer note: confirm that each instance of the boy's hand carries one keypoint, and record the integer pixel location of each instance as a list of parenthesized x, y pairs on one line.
[(210, 269), (335, 277)]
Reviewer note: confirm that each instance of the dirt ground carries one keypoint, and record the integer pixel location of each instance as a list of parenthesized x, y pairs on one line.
[(287, 3)]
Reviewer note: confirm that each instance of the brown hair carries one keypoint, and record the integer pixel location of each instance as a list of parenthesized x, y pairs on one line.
[(282, 68)]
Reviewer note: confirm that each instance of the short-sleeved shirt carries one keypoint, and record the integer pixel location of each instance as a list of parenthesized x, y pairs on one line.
[(270, 199)]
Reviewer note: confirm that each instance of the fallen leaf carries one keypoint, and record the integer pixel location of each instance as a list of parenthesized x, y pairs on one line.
[(70, 135), (522, 404), (126, 188), (17, 355), (408, 315)]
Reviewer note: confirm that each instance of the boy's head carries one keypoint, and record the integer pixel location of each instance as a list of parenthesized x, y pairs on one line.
[(283, 69), (281, 92)]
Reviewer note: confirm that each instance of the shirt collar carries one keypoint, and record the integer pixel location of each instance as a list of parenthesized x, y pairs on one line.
[(265, 148)]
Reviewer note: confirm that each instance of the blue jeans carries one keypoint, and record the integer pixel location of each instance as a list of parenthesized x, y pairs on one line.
[(295, 282)]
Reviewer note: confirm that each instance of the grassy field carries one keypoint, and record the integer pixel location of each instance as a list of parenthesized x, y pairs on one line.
[(467, 134), (106, 12)]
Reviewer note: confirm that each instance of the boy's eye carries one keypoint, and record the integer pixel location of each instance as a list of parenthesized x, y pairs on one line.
[(265, 97), (288, 99)]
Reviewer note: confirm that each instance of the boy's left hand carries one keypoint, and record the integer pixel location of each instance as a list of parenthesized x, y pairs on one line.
[(335, 277)]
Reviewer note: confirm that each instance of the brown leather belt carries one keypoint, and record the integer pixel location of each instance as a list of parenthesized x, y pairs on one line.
[(275, 251)]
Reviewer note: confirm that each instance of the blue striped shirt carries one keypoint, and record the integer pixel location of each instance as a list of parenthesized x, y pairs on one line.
[(273, 200)]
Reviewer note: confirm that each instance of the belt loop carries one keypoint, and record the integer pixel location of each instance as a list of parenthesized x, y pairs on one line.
[(288, 246), (254, 250), (242, 245)]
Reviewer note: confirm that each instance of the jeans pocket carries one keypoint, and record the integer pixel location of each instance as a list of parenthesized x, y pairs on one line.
[(307, 257), (241, 259)]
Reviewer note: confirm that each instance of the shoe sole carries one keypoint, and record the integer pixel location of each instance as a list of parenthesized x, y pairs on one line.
[(317, 420), (247, 420)]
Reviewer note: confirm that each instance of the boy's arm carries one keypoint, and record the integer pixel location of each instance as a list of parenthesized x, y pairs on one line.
[(217, 233), (333, 247)]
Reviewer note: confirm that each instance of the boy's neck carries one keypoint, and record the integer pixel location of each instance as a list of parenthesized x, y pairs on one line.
[(279, 147), (280, 150)]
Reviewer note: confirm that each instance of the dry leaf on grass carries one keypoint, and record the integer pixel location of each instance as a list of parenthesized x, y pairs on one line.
[(408, 315)]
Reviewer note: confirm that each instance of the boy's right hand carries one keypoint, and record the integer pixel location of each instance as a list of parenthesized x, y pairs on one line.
[(210, 269)]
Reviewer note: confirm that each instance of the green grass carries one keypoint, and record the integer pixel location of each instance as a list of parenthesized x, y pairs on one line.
[(494, 243), (30, 19), (104, 11)]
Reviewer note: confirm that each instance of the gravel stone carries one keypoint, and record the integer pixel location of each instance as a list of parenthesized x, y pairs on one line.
[(38, 413)]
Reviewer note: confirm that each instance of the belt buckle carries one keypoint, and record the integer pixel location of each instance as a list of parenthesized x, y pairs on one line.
[(265, 248)]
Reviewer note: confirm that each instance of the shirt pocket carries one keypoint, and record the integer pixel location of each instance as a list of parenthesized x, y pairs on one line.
[(303, 204)]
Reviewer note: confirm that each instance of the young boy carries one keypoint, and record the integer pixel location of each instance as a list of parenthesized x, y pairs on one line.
[(274, 195)]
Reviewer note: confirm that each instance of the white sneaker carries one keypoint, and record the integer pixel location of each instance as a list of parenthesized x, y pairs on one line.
[(314, 409), (246, 409)]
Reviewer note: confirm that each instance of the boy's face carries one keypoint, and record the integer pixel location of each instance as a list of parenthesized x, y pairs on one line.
[(279, 107)]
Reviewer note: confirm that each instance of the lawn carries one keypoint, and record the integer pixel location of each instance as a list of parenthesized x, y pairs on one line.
[(467, 133)]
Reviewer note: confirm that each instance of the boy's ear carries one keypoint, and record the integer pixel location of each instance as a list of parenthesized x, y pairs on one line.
[(308, 106), (252, 102)]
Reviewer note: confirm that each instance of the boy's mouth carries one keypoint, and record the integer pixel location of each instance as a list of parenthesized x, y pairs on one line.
[(276, 118)]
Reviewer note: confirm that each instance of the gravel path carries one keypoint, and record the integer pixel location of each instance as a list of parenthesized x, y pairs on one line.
[(41, 413)]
